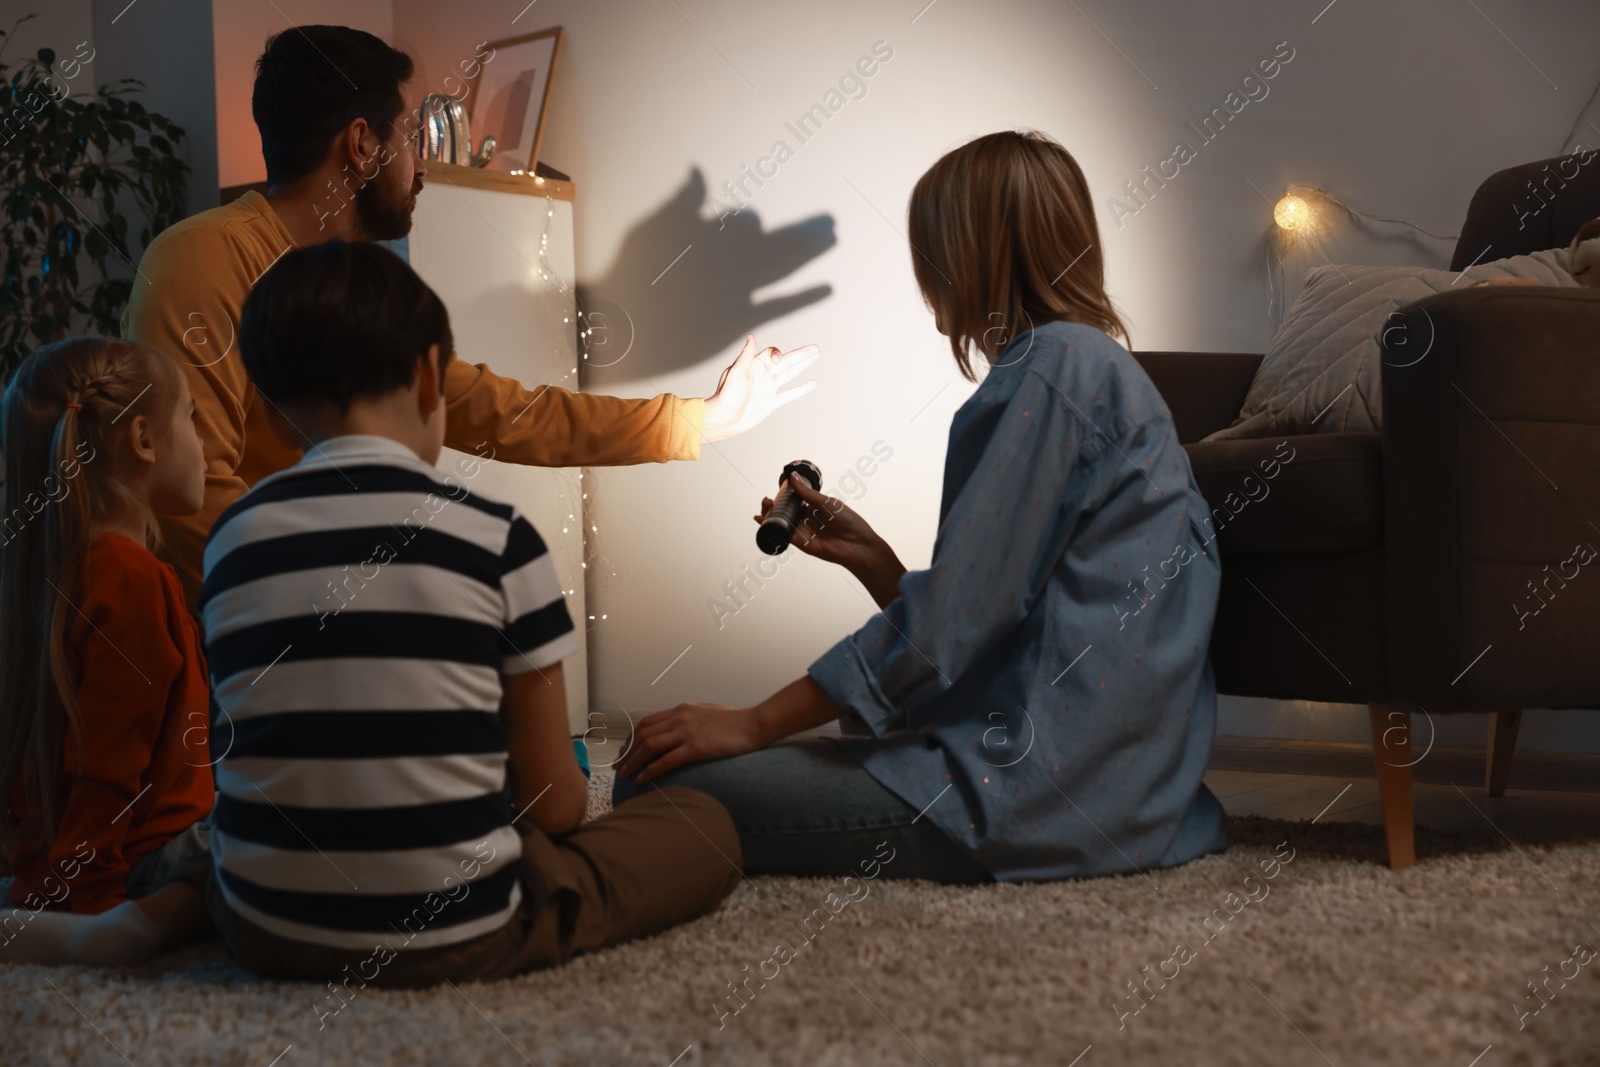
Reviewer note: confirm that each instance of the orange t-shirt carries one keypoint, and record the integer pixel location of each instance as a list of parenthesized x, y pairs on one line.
[(143, 774)]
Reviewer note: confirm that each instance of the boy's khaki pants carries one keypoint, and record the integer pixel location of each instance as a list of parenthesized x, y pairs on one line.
[(657, 860)]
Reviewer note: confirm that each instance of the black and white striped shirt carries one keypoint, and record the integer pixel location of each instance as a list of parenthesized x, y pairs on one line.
[(360, 609)]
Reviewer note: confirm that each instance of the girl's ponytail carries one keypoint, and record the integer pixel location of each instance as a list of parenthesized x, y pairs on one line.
[(60, 414)]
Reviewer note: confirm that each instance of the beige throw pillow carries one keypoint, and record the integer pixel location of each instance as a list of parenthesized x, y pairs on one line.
[(1322, 373)]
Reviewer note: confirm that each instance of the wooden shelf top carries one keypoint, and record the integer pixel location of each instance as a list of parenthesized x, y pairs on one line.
[(499, 181)]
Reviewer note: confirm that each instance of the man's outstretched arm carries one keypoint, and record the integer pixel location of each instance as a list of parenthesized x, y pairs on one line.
[(550, 427)]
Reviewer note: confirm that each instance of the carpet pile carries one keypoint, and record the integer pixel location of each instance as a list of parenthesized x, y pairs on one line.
[(1297, 945)]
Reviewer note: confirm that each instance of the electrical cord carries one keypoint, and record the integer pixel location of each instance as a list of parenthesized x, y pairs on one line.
[(1303, 189), (1584, 111)]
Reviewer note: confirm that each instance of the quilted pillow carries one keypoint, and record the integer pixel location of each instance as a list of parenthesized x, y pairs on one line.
[(1323, 372)]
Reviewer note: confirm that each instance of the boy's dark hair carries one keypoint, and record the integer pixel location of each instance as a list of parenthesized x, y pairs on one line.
[(312, 82), (336, 321)]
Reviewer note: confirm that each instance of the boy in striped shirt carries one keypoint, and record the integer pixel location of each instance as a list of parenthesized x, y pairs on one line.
[(382, 644)]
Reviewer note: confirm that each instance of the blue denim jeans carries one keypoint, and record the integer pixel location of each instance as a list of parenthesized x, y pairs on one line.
[(808, 808)]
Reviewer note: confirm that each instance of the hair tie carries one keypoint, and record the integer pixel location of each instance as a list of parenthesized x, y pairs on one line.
[(74, 405)]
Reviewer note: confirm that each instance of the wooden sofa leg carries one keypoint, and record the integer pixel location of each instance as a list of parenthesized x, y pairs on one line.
[(1502, 742), (1391, 746)]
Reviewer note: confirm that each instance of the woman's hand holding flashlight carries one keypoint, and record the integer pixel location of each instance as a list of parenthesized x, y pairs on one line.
[(833, 532)]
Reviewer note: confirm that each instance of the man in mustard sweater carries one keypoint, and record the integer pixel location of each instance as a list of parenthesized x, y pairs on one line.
[(330, 103)]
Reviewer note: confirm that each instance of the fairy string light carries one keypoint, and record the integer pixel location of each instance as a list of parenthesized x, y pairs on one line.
[(1303, 220), (572, 498), (1312, 194)]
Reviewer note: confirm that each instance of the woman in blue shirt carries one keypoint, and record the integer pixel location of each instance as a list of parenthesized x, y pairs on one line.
[(1038, 703)]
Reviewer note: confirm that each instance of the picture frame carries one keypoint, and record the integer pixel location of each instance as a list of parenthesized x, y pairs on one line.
[(510, 97)]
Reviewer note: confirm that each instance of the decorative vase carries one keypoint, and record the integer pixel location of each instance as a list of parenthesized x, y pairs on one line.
[(445, 136)]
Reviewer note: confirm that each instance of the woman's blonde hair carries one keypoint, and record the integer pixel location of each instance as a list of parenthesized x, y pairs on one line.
[(60, 413), (1003, 238)]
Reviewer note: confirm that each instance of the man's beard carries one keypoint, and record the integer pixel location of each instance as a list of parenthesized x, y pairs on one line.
[(381, 219)]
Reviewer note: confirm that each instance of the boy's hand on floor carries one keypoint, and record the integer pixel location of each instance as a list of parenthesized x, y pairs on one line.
[(689, 733)]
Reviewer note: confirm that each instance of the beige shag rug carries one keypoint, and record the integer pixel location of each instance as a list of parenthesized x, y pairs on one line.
[(1334, 960)]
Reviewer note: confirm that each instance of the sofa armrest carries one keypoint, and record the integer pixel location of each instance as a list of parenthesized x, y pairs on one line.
[(1491, 453), (1203, 390)]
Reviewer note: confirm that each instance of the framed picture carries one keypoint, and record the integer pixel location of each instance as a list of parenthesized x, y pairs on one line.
[(511, 94)]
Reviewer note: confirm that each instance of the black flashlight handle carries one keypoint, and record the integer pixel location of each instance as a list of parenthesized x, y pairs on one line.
[(785, 515)]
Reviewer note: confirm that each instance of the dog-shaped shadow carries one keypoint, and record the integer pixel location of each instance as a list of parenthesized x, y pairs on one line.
[(681, 287)]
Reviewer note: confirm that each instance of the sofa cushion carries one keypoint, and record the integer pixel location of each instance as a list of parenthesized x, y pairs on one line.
[(1308, 493), (1323, 372), (1203, 390)]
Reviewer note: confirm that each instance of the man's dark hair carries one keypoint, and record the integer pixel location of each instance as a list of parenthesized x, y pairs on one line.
[(312, 82), (336, 321)]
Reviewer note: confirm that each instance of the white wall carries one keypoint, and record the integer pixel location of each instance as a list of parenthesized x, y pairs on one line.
[(58, 24), (1398, 109), (167, 46)]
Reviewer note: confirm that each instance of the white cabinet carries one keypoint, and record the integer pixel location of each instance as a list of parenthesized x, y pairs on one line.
[(498, 250)]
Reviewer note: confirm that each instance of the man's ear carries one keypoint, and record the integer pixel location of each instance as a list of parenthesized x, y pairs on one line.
[(359, 146), (430, 391)]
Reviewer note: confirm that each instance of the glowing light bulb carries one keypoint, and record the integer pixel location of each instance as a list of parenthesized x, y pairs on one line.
[(1292, 212)]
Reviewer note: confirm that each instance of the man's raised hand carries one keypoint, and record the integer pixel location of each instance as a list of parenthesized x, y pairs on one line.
[(753, 386)]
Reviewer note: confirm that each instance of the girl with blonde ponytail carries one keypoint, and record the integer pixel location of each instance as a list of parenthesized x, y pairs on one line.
[(104, 765)]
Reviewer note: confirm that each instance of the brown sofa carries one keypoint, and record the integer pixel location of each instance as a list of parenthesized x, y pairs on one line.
[(1429, 568)]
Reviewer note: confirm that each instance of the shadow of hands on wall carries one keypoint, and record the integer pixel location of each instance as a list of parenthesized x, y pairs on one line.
[(681, 287)]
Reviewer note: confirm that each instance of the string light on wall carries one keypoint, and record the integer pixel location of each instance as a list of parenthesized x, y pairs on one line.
[(1303, 211), (572, 497), (1291, 212), (1303, 219)]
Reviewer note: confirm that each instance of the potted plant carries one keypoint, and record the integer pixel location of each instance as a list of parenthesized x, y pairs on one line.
[(80, 169)]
